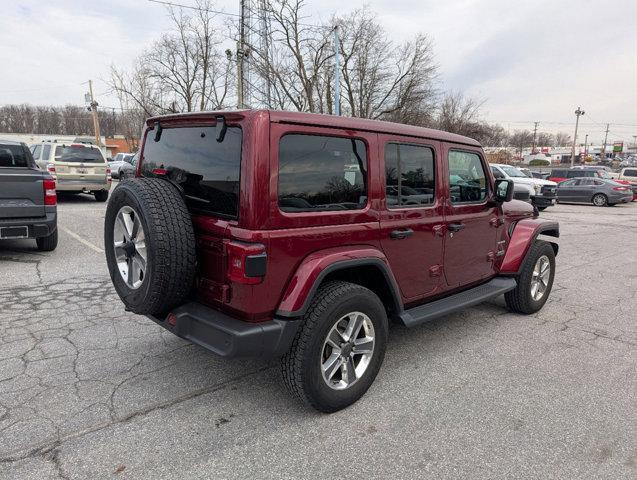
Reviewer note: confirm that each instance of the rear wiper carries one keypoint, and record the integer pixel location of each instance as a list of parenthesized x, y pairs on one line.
[(221, 128), (158, 132)]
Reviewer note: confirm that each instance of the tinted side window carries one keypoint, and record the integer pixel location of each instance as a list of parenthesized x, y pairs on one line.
[(496, 172), (46, 151), (37, 151), (410, 179), (630, 173), (467, 179), (319, 173), (559, 173)]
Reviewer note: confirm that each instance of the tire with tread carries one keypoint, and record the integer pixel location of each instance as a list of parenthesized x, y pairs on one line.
[(603, 202), (48, 243), (519, 299), (300, 366), (170, 245), (101, 195)]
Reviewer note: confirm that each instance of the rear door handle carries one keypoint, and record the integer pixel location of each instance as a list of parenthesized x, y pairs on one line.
[(399, 234), (455, 227)]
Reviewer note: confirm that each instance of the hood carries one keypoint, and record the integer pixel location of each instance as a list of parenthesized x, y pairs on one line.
[(533, 181)]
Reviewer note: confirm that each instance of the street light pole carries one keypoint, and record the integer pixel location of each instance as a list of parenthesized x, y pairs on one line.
[(578, 113), (586, 145)]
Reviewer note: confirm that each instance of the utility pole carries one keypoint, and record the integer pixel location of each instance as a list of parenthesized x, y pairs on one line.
[(603, 155), (534, 137), (241, 56), (337, 74), (578, 113), (96, 121), (265, 46)]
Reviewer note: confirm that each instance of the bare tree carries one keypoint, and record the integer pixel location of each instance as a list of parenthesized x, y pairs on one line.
[(380, 78), (545, 139), (184, 70), (562, 139), (521, 139)]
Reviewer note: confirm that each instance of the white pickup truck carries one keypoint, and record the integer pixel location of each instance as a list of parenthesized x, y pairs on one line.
[(544, 191)]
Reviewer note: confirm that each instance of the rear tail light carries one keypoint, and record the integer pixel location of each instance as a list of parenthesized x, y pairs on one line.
[(51, 169), (50, 197), (246, 262), (621, 189), (108, 174)]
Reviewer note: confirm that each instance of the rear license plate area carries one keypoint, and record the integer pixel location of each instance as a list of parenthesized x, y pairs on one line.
[(81, 171), (14, 232)]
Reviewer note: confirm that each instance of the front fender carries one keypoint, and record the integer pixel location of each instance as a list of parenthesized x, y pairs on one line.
[(316, 266), (524, 234)]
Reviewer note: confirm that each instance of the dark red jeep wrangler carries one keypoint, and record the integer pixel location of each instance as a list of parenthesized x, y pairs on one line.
[(266, 233)]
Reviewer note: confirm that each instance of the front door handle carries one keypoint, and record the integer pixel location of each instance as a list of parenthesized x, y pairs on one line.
[(455, 227), (400, 234)]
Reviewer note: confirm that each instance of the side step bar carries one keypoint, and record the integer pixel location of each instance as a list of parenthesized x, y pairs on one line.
[(444, 306)]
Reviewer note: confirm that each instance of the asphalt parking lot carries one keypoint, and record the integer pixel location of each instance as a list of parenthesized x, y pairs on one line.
[(90, 391)]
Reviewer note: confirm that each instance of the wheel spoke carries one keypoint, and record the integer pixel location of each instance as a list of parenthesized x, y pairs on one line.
[(353, 327), (332, 365), (349, 371), (120, 228), (128, 224), (363, 345)]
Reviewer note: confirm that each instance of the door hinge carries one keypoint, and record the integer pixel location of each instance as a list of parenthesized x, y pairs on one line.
[(435, 270)]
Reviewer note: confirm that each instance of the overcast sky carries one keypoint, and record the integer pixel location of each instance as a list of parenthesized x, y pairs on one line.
[(528, 60)]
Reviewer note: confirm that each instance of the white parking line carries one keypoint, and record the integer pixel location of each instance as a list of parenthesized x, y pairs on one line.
[(81, 240)]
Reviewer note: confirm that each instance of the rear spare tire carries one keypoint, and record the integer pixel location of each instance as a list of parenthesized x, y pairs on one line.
[(150, 245)]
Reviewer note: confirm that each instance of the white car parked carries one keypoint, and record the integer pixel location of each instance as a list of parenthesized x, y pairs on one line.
[(544, 191)]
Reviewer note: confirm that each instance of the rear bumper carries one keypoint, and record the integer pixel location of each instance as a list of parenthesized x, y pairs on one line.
[(37, 227), (63, 185), (226, 336)]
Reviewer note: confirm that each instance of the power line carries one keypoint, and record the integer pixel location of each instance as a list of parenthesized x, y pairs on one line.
[(219, 12)]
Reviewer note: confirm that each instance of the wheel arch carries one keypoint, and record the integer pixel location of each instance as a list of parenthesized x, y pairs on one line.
[(524, 233), (368, 271)]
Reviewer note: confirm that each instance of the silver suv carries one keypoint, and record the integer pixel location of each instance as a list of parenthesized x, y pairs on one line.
[(77, 167)]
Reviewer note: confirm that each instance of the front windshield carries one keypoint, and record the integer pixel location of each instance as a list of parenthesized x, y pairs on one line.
[(513, 172)]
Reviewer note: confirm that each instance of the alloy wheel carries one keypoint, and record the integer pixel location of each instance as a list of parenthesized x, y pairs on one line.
[(540, 277), (347, 350), (129, 242)]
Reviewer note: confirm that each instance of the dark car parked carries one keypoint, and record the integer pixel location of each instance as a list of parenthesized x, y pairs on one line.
[(598, 191), (27, 198)]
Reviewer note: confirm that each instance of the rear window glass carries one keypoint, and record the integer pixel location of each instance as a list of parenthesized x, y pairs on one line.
[(15, 156), (207, 170), (79, 154), (319, 173), (37, 151), (559, 173)]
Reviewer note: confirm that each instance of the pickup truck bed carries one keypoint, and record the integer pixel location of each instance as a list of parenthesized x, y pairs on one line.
[(27, 197)]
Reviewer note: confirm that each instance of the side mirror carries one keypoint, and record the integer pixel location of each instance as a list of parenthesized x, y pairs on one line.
[(503, 190)]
